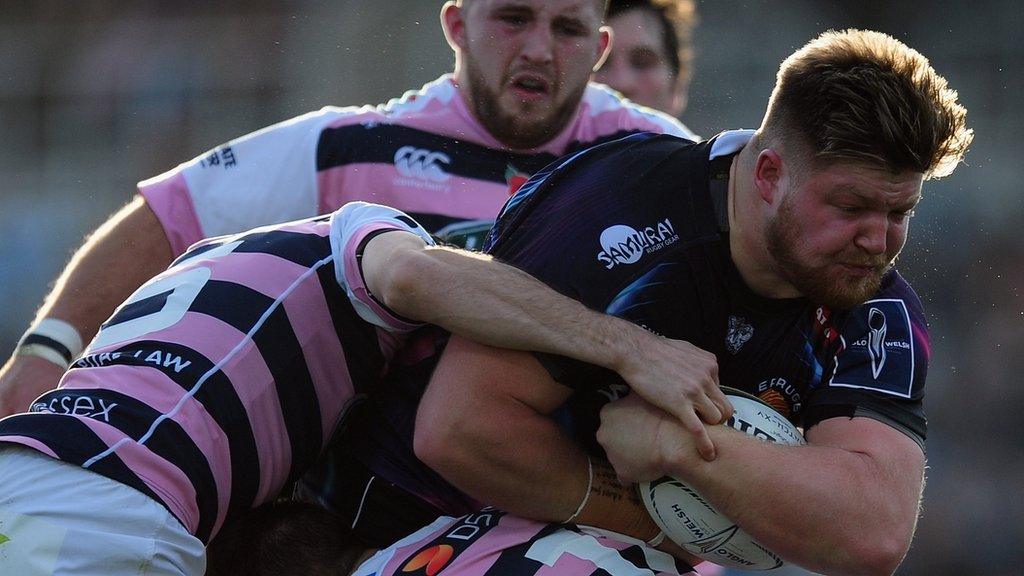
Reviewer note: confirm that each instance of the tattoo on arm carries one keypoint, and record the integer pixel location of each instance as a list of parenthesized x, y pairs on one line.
[(606, 484)]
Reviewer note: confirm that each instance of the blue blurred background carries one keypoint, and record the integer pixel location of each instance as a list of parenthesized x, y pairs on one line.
[(97, 95)]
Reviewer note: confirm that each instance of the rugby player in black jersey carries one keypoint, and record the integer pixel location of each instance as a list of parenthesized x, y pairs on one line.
[(773, 250)]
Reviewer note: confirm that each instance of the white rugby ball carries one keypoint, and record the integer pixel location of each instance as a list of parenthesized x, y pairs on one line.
[(693, 523)]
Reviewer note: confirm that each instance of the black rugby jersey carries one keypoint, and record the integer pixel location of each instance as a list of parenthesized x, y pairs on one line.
[(635, 228)]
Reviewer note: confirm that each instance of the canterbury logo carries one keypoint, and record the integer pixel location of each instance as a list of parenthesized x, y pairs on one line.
[(423, 164)]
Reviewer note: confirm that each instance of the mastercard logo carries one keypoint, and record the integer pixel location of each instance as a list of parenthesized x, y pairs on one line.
[(431, 560)]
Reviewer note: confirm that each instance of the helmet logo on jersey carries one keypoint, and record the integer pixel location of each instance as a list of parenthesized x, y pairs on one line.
[(876, 340), (882, 357), (623, 244), (431, 560), (739, 332), (422, 164)]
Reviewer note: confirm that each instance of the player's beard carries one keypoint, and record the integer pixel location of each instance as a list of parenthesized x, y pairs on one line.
[(783, 237), (511, 128)]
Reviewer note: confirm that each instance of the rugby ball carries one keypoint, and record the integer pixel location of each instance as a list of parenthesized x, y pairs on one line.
[(693, 523)]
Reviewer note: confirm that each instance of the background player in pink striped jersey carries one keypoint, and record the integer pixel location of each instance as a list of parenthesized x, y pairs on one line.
[(517, 99)]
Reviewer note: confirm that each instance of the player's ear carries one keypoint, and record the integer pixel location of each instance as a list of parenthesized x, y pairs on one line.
[(454, 25), (768, 174), (604, 45)]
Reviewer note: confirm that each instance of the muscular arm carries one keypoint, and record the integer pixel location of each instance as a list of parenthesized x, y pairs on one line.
[(483, 424), (95, 281), (498, 305), (846, 503)]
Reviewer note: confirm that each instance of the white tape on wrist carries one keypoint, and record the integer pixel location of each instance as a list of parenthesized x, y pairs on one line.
[(53, 340)]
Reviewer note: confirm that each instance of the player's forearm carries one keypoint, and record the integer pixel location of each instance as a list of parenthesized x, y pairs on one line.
[(118, 257), (521, 462), (483, 424), (499, 305), (828, 509)]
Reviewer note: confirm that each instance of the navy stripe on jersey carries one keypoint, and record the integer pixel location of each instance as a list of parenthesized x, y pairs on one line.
[(363, 357), (169, 441), (198, 251), (241, 307), (217, 395), (298, 247), (73, 441), (301, 248), (380, 143), (635, 556), (143, 307)]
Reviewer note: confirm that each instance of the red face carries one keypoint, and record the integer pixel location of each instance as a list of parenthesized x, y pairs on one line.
[(638, 66), (837, 230), (525, 63)]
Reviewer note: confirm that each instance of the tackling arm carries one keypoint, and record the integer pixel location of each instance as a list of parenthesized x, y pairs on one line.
[(87, 290), (846, 503), (498, 305), (483, 424)]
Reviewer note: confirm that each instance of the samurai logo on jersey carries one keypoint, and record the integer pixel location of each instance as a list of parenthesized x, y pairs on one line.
[(881, 356), (439, 552), (622, 244), (424, 166)]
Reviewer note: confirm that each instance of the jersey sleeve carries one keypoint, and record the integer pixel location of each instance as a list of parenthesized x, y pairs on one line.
[(352, 226), (881, 364), (266, 177)]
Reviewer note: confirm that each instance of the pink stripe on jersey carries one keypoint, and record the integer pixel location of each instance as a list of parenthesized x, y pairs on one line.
[(325, 358), (169, 197), (457, 197), (440, 109), (165, 479), (31, 443)]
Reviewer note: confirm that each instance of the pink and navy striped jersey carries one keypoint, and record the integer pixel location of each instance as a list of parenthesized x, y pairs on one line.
[(493, 542), (220, 380), (425, 154)]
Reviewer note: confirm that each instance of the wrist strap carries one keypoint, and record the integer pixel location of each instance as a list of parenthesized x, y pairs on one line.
[(657, 540), (590, 487), (53, 340)]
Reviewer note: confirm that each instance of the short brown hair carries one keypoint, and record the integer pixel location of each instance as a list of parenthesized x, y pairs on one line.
[(864, 96), (676, 18)]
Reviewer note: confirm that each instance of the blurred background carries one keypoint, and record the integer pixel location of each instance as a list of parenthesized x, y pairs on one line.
[(97, 95)]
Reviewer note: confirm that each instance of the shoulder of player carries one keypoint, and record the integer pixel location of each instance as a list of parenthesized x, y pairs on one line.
[(895, 298), (895, 287), (601, 104), (428, 106)]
